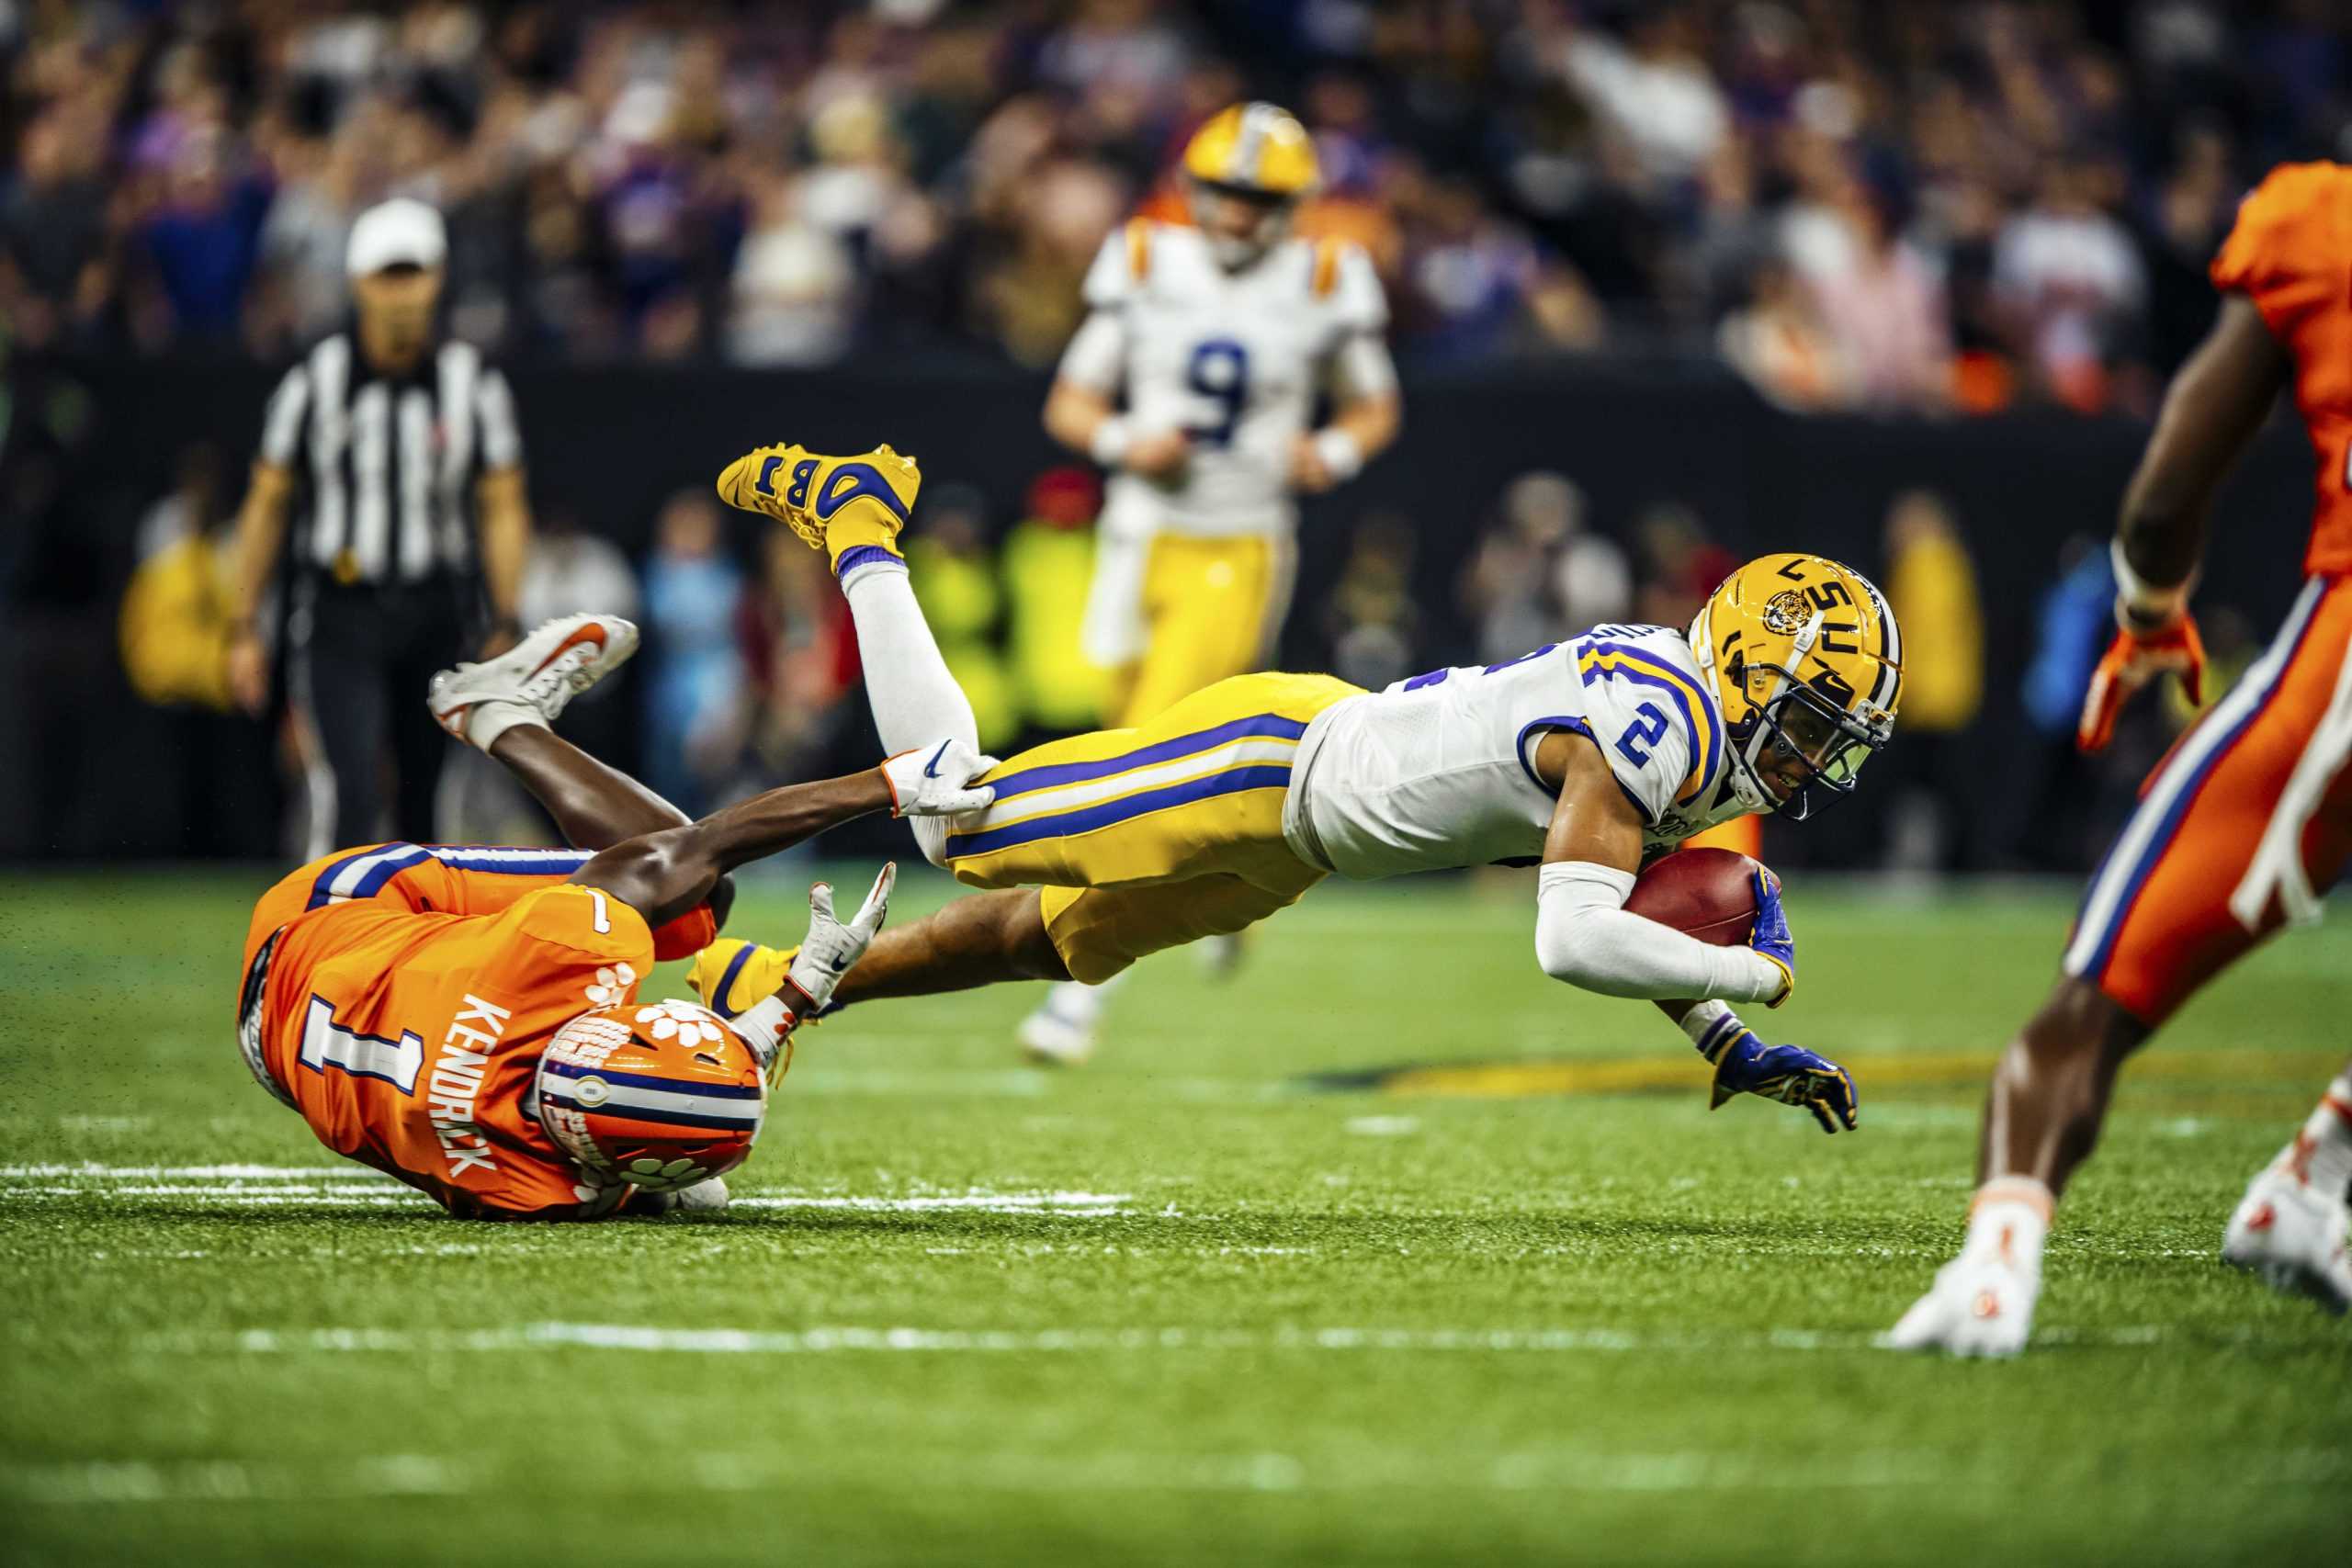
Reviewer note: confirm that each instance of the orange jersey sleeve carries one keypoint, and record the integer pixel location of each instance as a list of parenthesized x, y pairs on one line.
[(2290, 254), (410, 1040)]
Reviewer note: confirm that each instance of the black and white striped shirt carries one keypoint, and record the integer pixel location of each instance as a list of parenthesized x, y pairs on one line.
[(389, 462)]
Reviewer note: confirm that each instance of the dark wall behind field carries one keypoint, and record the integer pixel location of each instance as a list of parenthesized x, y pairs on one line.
[(83, 769)]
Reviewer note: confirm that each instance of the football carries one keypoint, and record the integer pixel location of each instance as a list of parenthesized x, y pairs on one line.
[(1708, 893)]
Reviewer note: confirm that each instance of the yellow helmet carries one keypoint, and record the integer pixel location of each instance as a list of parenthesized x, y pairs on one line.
[(1247, 168), (1253, 150), (1803, 658)]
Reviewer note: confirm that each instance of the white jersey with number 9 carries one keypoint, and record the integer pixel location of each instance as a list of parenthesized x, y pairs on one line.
[(1234, 359)]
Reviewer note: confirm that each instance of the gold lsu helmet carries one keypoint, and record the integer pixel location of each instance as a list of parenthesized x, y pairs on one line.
[(1805, 662), (1258, 153)]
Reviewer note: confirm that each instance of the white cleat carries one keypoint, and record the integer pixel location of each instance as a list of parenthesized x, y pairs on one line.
[(1981, 1304), (1061, 1032), (2292, 1233), (545, 671)]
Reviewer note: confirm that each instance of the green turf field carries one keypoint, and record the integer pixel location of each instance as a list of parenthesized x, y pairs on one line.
[(1181, 1307)]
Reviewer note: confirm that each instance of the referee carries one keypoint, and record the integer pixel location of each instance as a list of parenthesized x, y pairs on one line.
[(395, 452)]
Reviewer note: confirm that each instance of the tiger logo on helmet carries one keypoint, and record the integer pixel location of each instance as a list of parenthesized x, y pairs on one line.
[(1256, 156), (1805, 660), (657, 1095)]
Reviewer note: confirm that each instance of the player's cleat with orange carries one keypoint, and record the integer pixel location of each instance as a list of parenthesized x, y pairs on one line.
[(852, 508), (2291, 1233), (560, 660), (1982, 1303)]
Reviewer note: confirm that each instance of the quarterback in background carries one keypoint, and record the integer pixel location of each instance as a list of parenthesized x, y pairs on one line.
[(1222, 335), (1591, 755), (467, 1020), (2246, 818)]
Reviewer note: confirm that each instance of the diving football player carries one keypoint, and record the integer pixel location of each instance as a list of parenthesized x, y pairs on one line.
[(1221, 334), (1591, 755), (2244, 818), (467, 1020)]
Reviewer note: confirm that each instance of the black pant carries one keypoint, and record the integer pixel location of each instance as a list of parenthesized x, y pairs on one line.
[(358, 671)]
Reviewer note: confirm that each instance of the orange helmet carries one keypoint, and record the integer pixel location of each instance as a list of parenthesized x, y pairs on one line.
[(659, 1095)]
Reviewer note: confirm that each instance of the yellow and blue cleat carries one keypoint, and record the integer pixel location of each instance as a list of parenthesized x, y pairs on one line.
[(732, 975), (851, 508)]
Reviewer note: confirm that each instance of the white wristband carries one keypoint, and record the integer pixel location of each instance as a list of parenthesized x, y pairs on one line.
[(1110, 442), (2146, 601), (1342, 457)]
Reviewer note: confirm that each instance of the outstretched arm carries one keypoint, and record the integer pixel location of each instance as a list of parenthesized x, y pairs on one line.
[(664, 874)]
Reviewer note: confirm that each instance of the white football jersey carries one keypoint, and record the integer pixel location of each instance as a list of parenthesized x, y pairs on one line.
[(1235, 359), (1440, 770)]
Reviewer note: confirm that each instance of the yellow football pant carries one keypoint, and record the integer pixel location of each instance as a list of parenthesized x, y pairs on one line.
[(1212, 609), (1150, 837)]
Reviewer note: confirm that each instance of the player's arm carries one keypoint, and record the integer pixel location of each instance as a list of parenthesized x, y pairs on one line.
[(261, 534), (253, 555), (1081, 410), (503, 505), (1586, 936), (663, 874), (2211, 413), (1368, 412), (1584, 933)]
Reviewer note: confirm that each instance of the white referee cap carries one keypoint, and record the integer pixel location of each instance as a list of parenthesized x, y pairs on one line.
[(402, 231)]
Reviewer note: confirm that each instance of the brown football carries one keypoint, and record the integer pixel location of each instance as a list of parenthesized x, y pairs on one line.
[(1708, 893)]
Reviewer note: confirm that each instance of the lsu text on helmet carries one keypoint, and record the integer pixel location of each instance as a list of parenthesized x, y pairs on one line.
[(1803, 658), (657, 1095)]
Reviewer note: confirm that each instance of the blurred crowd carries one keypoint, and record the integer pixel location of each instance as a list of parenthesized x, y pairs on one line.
[(1911, 203)]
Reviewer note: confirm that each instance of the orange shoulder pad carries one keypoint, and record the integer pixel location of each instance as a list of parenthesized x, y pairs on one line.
[(1139, 248), (1326, 267), (2291, 242)]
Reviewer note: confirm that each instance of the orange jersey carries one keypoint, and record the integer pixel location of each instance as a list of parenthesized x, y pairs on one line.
[(407, 994), (2291, 253)]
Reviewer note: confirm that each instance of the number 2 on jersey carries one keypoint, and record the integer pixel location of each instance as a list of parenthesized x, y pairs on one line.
[(1646, 731), (1219, 371)]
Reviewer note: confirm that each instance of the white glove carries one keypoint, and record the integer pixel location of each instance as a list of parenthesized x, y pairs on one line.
[(936, 780), (831, 946)]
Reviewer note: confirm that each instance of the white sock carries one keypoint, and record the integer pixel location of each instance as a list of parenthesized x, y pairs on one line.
[(485, 722), (2329, 1133), (2010, 1217), (915, 701)]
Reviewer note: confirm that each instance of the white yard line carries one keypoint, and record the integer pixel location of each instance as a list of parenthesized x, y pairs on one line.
[(186, 1172), (143, 1481), (899, 1339), (269, 1186)]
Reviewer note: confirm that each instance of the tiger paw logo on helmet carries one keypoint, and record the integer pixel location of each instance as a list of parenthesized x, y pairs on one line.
[(660, 1096)]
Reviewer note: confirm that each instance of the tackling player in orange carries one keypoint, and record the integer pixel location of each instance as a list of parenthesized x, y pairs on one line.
[(467, 1020), (2248, 815)]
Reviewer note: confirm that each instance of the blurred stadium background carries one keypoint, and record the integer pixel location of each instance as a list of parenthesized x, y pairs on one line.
[(1671, 284)]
